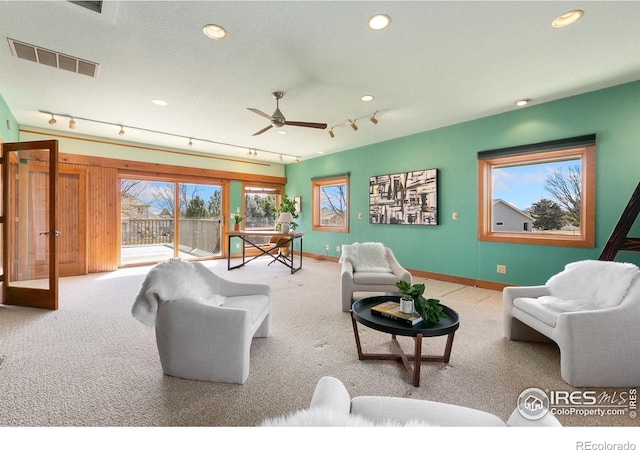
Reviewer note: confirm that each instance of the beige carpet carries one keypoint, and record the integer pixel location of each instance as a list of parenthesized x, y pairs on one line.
[(90, 364)]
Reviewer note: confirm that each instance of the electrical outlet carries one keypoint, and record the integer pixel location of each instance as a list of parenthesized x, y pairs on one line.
[(338, 248), (326, 247), (501, 269)]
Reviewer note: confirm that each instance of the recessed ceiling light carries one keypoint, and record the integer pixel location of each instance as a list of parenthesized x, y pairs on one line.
[(522, 101), (367, 98), (159, 102), (282, 132), (214, 31), (379, 22), (567, 18)]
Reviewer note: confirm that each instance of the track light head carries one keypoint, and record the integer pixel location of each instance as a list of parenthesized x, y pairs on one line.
[(53, 120), (72, 124), (373, 118), (353, 125), (121, 132), (190, 142), (331, 133)]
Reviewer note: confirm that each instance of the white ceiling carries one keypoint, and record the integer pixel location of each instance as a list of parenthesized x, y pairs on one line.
[(439, 63)]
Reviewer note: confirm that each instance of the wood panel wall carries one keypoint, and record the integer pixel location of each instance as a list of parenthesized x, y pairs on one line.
[(103, 198), (103, 245)]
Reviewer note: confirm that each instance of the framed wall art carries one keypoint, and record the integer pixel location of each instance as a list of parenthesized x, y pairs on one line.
[(407, 198)]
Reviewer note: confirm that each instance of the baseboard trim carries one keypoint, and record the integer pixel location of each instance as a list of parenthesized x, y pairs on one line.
[(431, 275)]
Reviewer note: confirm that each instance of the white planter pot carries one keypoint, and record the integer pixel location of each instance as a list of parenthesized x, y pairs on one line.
[(406, 306)]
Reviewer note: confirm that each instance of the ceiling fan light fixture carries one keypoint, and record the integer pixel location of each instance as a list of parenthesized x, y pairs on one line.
[(53, 120), (568, 18), (215, 32), (379, 22)]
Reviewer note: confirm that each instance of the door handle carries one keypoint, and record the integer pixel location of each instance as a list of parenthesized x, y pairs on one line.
[(49, 233)]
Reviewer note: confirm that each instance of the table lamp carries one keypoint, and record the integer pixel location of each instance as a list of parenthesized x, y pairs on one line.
[(284, 219)]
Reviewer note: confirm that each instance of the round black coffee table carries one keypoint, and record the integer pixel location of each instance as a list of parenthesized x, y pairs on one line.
[(361, 312)]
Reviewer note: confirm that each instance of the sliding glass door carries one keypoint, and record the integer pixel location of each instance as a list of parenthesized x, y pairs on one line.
[(168, 219)]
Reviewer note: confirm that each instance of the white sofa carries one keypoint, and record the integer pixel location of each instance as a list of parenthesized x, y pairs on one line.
[(591, 310), (204, 324), (331, 405), (369, 267)]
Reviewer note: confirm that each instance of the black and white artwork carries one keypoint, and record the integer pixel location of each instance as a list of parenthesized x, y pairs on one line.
[(408, 198)]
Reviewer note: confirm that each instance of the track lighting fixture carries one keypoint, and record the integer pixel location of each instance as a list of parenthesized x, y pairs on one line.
[(297, 160), (331, 133), (373, 118), (74, 119), (353, 125)]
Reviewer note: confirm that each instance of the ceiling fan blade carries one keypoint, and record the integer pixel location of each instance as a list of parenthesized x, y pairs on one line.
[(321, 126), (262, 131), (257, 111)]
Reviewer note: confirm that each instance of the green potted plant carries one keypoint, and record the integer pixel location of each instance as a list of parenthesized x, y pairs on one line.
[(287, 205), (429, 309), (237, 218)]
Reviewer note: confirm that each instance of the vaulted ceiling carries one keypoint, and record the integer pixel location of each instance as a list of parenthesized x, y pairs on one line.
[(436, 64)]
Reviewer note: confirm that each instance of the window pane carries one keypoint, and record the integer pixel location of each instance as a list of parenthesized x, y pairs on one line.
[(333, 203), (146, 221), (200, 220), (259, 207), (542, 197)]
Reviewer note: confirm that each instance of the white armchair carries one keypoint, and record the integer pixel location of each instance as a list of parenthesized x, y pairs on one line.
[(591, 310), (204, 323), (369, 267)]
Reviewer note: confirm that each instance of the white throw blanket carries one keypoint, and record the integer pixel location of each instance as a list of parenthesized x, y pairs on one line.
[(170, 280), (366, 257), (589, 285)]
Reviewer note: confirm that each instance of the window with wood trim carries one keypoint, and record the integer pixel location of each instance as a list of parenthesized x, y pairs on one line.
[(538, 194), (330, 204)]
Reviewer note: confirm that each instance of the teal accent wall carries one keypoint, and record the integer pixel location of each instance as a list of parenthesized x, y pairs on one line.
[(8, 133), (452, 248)]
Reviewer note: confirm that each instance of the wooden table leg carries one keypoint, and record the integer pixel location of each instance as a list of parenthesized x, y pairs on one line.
[(357, 336), (417, 356)]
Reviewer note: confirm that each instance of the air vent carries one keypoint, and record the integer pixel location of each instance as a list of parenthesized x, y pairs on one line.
[(53, 59)]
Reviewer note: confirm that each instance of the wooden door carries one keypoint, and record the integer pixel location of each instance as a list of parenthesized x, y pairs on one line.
[(30, 217)]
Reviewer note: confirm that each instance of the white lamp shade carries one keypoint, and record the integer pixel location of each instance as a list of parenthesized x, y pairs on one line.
[(285, 217)]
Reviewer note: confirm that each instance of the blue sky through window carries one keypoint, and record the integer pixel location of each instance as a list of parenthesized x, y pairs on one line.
[(523, 185)]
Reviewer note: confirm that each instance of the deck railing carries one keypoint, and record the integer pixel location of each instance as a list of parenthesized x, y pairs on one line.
[(195, 235)]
